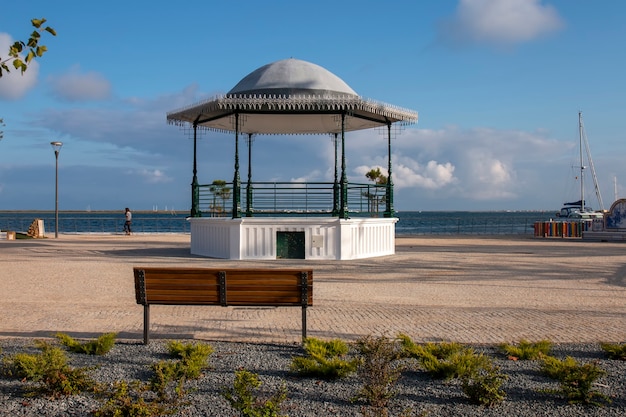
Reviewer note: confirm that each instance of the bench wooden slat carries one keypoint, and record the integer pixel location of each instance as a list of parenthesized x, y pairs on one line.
[(184, 300), (199, 285), (158, 293), (158, 286)]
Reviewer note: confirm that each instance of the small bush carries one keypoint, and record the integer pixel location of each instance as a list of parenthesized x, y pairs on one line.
[(439, 350), (614, 351), (102, 345), (191, 360), (244, 396), (324, 359), (378, 372), (554, 368), (576, 380), (167, 373), (483, 386), (49, 369), (189, 350), (165, 389), (128, 400), (194, 357), (526, 350), (444, 360)]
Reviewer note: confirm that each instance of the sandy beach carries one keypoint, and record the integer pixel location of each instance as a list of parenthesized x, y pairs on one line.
[(467, 289)]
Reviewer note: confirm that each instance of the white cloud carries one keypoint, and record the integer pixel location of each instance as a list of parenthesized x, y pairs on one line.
[(479, 165), (77, 86), (312, 176), (500, 22), (432, 175), (153, 176), (489, 176), (15, 85), (408, 173)]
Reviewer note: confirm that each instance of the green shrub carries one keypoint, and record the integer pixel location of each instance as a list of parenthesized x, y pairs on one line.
[(378, 372), (526, 350), (576, 380), (194, 357), (166, 374), (553, 367), (244, 396), (483, 386), (102, 345), (444, 360), (189, 350), (166, 387), (49, 369), (128, 400), (617, 351), (441, 350), (191, 360), (324, 359)]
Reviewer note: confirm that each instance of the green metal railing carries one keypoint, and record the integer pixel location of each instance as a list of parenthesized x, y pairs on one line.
[(293, 198)]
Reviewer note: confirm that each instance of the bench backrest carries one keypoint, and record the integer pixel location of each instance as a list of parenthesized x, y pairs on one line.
[(205, 286)]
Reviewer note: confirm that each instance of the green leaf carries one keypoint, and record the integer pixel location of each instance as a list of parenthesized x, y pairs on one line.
[(37, 22), (17, 63), (15, 49), (50, 31), (30, 56), (41, 49)]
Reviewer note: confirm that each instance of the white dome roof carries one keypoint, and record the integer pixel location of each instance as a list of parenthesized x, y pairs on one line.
[(291, 77), (290, 97)]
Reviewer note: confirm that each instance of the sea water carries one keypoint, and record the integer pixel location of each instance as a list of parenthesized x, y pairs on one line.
[(409, 223)]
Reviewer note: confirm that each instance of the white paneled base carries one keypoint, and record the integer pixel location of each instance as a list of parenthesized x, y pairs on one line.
[(325, 238)]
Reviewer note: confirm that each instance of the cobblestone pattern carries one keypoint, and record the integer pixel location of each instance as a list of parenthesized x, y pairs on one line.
[(470, 290)]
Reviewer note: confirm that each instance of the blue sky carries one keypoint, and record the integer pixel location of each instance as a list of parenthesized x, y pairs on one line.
[(498, 85)]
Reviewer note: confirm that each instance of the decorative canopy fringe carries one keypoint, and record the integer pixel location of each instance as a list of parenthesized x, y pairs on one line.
[(211, 110)]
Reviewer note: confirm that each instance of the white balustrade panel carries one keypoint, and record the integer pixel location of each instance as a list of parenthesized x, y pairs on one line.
[(325, 238)]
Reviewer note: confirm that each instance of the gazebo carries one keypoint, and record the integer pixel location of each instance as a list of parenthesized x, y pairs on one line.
[(334, 220)]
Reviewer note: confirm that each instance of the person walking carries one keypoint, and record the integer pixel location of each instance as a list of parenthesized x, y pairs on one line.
[(128, 221)]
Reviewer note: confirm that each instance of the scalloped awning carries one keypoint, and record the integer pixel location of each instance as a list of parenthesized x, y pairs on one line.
[(290, 97), (290, 115)]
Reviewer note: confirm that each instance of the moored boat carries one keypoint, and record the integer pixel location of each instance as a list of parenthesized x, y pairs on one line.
[(575, 218)]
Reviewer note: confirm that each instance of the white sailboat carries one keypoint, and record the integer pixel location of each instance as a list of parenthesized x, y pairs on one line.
[(579, 209)]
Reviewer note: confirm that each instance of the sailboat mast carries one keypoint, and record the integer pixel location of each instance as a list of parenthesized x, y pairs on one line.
[(582, 166)]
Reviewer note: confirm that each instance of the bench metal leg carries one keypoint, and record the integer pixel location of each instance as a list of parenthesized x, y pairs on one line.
[(146, 324), (303, 323)]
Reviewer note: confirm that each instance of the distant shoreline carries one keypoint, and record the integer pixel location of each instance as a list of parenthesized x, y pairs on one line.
[(183, 211), (89, 211)]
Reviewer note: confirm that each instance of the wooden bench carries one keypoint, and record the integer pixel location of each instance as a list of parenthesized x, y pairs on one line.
[(222, 287)]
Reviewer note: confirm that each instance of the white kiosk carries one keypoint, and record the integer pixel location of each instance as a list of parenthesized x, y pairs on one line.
[(334, 220)]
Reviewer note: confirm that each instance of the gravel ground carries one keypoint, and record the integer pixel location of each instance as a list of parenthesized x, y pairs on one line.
[(129, 360)]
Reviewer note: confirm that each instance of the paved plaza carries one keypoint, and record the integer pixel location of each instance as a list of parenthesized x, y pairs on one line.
[(470, 289)]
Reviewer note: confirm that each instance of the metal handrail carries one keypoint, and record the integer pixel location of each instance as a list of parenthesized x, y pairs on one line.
[(293, 198)]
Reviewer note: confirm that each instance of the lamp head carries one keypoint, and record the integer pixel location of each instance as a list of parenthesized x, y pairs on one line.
[(56, 146)]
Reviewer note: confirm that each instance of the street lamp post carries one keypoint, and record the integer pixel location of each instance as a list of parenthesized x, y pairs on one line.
[(57, 147)]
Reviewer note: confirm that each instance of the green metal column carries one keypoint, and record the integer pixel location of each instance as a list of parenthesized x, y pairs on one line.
[(237, 178), (249, 185), (336, 183), (389, 211), (195, 189), (343, 212)]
